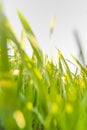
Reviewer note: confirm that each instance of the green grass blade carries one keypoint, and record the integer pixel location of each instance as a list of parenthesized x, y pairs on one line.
[(4, 62), (23, 39), (31, 37), (81, 67), (65, 64), (7, 30), (25, 24), (81, 54)]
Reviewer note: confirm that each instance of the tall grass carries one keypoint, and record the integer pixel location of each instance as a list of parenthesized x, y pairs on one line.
[(36, 94)]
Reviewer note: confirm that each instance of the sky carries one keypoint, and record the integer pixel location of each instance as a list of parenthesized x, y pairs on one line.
[(70, 15)]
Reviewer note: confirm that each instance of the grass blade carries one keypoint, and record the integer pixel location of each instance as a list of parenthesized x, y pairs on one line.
[(32, 39), (81, 67), (52, 24), (81, 54)]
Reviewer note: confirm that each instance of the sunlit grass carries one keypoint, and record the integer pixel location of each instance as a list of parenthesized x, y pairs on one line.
[(35, 93)]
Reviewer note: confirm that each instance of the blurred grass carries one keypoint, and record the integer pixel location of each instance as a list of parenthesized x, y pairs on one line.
[(36, 94), (79, 45)]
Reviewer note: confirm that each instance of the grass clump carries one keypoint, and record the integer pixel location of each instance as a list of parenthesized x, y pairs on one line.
[(36, 94)]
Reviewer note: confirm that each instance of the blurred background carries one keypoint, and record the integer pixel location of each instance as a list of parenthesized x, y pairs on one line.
[(71, 15)]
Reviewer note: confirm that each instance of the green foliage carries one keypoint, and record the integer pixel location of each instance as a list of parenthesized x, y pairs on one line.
[(36, 94)]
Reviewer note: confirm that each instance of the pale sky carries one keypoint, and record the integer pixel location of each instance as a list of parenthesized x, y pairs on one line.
[(70, 15)]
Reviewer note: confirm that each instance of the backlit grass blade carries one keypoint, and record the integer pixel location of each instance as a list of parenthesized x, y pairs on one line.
[(65, 64), (60, 67), (81, 67), (23, 39), (7, 30), (36, 49), (25, 24), (31, 38), (52, 24)]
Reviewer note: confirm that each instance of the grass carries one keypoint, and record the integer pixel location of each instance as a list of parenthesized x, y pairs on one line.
[(36, 94)]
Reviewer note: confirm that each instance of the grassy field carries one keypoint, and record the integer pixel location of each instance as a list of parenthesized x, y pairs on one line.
[(36, 94)]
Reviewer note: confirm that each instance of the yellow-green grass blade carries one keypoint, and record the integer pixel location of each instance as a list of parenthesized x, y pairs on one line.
[(23, 39), (52, 25), (7, 30), (4, 63), (65, 64), (31, 37), (79, 64)]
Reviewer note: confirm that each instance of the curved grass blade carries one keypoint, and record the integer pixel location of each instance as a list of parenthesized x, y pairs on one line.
[(36, 49), (31, 37), (64, 63), (81, 67), (7, 30)]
